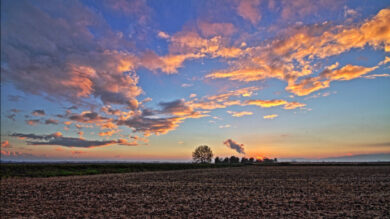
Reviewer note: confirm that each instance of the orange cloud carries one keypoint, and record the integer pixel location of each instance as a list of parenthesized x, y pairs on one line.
[(32, 122), (311, 84), (240, 114), (293, 105), (272, 116), (273, 103), (222, 100), (169, 63), (108, 133), (289, 57), (122, 141), (246, 75), (266, 103), (38, 113), (307, 86), (347, 72), (5, 144)]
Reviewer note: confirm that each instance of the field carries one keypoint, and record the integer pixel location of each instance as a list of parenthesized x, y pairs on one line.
[(244, 192), (72, 169)]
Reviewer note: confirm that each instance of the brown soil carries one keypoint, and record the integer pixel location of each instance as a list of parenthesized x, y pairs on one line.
[(241, 192)]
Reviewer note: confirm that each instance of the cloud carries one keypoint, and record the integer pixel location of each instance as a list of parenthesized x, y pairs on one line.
[(149, 126), (5, 144), (293, 55), (273, 103), (307, 86), (161, 121), (222, 100), (224, 126), (32, 122), (179, 108), (15, 110), (163, 35), (96, 119), (187, 45), (248, 9), (87, 117), (234, 145), (38, 113), (168, 63), (311, 84), (12, 116), (373, 76), (293, 105), (16, 155), (51, 122), (216, 29), (272, 116), (59, 140), (108, 133), (266, 103), (302, 8), (56, 55), (347, 72), (186, 85), (240, 114), (138, 9), (385, 61)]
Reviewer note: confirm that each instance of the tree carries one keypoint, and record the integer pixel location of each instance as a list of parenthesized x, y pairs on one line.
[(202, 154), (234, 159), (217, 160)]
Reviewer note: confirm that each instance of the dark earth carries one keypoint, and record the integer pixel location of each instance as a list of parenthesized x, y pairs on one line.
[(239, 192)]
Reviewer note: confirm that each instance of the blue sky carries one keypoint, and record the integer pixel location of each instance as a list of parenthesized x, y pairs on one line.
[(151, 80)]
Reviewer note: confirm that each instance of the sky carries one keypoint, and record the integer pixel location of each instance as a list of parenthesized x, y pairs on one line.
[(118, 80)]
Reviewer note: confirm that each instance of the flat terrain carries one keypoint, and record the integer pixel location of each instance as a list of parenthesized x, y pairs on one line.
[(244, 192), (71, 169)]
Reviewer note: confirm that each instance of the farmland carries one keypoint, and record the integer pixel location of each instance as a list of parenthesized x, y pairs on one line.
[(246, 191), (72, 169)]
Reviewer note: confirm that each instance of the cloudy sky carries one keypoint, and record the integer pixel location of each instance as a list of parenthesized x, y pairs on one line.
[(151, 80)]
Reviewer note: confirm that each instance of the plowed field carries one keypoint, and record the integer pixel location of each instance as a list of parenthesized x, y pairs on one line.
[(240, 192)]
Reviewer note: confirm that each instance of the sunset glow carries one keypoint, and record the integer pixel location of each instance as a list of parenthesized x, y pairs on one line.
[(151, 80)]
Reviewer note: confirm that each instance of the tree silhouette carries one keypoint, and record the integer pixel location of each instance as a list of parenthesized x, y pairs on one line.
[(202, 154), (234, 159)]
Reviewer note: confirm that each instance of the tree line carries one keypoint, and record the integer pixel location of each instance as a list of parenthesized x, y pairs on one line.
[(243, 160), (204, 154)]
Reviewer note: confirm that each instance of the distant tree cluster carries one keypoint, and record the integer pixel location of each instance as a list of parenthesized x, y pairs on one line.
[(204, 154), (243, 160)]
